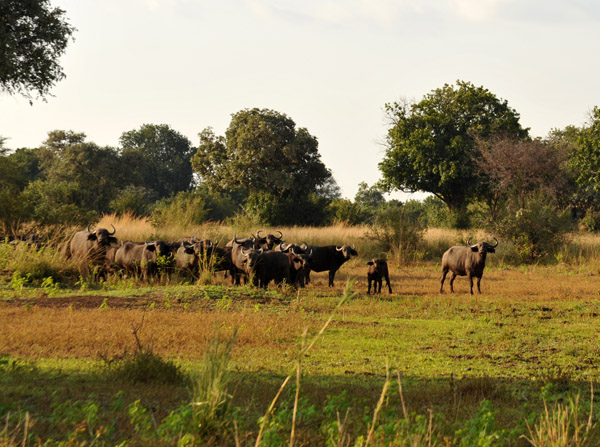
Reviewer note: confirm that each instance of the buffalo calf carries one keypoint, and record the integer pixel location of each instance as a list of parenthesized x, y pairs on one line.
[(378, 270)]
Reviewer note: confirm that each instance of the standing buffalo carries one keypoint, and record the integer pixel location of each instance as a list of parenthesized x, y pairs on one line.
[(91, 245), (466, 260), (378, 270), (268, 241), (191, 254), (330, 257), (144, 258)]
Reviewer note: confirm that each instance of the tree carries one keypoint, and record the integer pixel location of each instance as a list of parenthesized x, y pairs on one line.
[(584, 160), (33, 36), (158, 158), (431, 144), (264, 155), (78, 179), (517, 168)]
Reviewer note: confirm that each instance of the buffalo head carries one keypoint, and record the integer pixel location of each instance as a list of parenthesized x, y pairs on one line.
[(347, 251), (483, 247), (102, 236)]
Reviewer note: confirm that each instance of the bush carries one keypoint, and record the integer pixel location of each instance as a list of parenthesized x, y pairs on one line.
[(591, 221), (347, 212), (134, 200), (184, 208), (269, 209), (536, 231), (145, 366), (399, 232)]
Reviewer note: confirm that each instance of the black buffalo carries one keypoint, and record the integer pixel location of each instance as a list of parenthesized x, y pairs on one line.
[(466, 260), (330, 257), (378, 270), (269, 241)]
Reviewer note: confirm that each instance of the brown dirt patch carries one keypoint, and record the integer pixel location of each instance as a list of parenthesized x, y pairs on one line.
[(81, 302)]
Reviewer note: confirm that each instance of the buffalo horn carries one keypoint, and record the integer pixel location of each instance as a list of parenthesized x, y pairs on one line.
[(113, 231), (469, 243), (280, 234), (246, 253), (89, 231), (496, 244), (339, 247), (258, 234)]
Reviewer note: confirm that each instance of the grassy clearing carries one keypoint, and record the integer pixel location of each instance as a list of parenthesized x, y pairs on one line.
[(499, 369)]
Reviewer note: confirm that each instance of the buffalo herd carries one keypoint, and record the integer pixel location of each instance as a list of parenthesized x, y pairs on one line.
[(260, 259)]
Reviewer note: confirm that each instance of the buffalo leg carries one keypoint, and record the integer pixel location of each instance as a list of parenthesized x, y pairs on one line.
[(387, 280), (471, 283), (478, 283), (452, 278), (379, 283), (444, 273), (331, 276), (369, 281)]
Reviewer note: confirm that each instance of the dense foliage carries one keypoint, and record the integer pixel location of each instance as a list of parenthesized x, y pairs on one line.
[(33, 36), (460, 143), (431, 144)]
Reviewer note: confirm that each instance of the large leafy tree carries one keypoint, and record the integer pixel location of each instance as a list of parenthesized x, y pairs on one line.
[(78, 179), (265, 156), (33, 36), (431, 144), (158, 158)]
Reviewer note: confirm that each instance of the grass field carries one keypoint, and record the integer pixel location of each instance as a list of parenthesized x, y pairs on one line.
[(461, 370)]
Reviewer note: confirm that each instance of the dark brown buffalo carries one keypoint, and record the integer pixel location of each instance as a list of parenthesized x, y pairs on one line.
[(144, 257), (330, 257), (378, 270), (91, 245), (269, 241), (466, 260), (190, 255), (299, 268)]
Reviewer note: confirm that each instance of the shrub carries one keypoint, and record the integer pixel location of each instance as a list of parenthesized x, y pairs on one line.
[(133, 200), (536, 231), (145, 366), (398, 232), (184, 208)]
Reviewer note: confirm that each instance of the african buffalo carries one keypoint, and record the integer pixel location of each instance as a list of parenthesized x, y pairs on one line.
[(269, 241), (330, 257), (466, 260), (189, 255), (378, 270), (143, 257), (91, 245)]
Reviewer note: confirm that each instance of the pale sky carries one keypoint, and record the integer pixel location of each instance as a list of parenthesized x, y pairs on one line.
[(329, 65)]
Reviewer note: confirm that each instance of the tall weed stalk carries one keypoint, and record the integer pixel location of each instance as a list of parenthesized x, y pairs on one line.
[(210, 395)]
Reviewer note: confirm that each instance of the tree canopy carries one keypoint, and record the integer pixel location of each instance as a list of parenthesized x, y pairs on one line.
[(158, 158), (262, 151), (33, 36), (431, 144)]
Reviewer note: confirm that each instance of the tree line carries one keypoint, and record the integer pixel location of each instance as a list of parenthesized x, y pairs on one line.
[(460, 143)]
